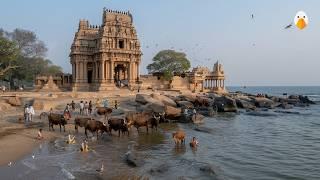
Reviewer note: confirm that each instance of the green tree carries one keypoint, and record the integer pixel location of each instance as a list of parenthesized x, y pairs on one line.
[(169, 62), (29, 55), (8, 54)]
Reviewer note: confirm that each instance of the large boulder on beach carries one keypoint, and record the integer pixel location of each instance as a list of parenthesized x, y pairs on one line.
[(14, 101), (156, 106), (185, 104), (225, 104), (188, 97), (144, 98), (241, 103), (172, 112), (262, 102), (164, 99)]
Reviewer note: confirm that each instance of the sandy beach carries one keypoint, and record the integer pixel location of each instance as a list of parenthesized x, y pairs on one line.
[(18, 140)]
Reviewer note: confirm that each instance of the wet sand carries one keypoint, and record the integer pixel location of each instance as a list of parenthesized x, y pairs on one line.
[(19, 142)]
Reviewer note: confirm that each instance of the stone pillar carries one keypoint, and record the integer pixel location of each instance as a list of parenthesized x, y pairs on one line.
[(111, 71), (138, 70), (73, 71), (85, 72), (77, 72), (101, 71), (107, 73)]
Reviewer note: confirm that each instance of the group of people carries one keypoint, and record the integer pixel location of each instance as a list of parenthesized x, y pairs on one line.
[(28, 113), (85, 108)]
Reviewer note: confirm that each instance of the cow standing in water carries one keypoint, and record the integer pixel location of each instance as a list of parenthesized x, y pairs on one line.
[(142, 119), (80, 122), (57, 119), (118, 124), (104, 111), (95, 126)]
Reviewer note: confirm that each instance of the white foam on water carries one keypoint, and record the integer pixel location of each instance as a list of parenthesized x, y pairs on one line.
[(29, 165), (68, 174)]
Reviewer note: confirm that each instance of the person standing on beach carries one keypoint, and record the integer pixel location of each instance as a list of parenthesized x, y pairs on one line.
[(73, 105), (90, 108), (116, 104), (31, 113), (81, 107), (86, 108), (26, 115)]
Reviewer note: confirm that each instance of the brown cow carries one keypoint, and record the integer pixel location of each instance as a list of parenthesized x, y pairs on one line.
[(57, 119), (95, 126), (138, 119), (179, 137), (104, 111), (81, 122)]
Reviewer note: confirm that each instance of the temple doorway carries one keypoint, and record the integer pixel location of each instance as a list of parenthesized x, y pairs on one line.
[(90, 73), (121, 75)]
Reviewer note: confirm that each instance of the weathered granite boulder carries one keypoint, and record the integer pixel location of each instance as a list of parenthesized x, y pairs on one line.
[(164, 99), (244, 104), (172, 112), (14, 101), (188, 97), (185, 104), (262, 102), (225, 104), (156, 106), (144, 98)]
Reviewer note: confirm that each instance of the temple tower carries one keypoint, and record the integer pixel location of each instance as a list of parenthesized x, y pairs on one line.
[(105, 56)]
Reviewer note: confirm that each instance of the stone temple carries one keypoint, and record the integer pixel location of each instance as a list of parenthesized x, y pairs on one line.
[(106, 55)]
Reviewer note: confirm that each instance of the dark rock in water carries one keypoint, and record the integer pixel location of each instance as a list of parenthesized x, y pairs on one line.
[(207, 169), (160, 169), (132, 160), (244, 104), (262, 102), (285, 106), (203, 129), (225, 104), (287, 112), (306, 100)]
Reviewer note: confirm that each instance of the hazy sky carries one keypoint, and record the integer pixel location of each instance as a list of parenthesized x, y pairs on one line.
[(253, 52)]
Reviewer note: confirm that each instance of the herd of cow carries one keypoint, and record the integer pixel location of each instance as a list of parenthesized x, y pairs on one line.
[(122, 125)]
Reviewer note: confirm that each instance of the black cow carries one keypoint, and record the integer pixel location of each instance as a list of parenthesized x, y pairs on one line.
[(117, 124)]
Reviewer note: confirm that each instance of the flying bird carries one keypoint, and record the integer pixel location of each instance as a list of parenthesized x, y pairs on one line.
[(33, 156), (288, 26), (10, 164), (252, 16)]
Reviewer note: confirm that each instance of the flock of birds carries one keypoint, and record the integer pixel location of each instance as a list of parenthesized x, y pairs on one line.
[(196, 49)]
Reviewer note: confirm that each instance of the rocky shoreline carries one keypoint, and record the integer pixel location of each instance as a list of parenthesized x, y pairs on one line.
[(209, 104)]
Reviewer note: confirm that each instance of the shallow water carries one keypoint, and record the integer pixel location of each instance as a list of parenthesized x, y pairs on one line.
[(237, 146)]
